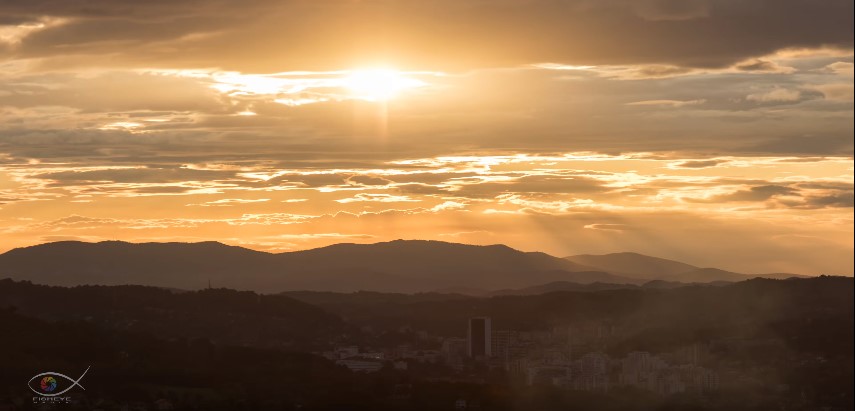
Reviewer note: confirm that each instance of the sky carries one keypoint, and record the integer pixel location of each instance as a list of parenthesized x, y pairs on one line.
[(716, 132)]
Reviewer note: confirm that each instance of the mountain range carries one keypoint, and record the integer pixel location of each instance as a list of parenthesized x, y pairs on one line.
[(395, 266), (640, 266)]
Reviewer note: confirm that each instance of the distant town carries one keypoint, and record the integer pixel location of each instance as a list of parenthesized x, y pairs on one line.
[(566, 357), (752, 345)]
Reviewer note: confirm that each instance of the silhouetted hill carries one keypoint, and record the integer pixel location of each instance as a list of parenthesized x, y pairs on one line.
[(470, 291), (641, 266), (633, 264), (775, 341), (706, 275), (815, 312), (153, 373), (702, 275), (178, 265), (667, 285), (325, 298), (561, 286), (590, 287), (451, 262), (397, 266), (221, 315)]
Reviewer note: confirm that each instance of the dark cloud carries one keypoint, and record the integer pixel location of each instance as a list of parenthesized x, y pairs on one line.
[(533, 184), (844, 199), (757, 65), (153, 9), (798, 196), (759, 193), (673, 9), (307, 180), (826, 185), (840, 144), (753, 194), (416, 188), (159, 190), (114, 91), (699, 163), (133, 175), (183, 120), (368, 180), (654, 71), (264, 35)]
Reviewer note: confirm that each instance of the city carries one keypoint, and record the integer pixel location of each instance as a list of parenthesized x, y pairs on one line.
[(547, 358)]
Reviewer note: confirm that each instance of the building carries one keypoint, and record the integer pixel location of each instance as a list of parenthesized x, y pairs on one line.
[(454, 350), (594, 363), (645, 371), (640, 369), (593, 373), (547, 375), (508, 346), (479, 338), (347, 351), (372, 355), (361, 365), (598, 383), (400, 365), (501, 343)]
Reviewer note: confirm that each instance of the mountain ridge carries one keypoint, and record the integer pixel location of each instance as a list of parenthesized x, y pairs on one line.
[(401, 265), (633, 264), (640, 266), (393, 266)]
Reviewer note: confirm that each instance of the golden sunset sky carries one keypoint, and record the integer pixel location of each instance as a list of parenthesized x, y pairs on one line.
[(717, 132)]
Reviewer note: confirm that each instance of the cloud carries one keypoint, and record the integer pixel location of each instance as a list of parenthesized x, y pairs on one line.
[(448, 205), (228, 202), (836, 91), (249, 35), (672, 10), (796, 196), (841, 68), (617, 228), (843, 199), (111, 91), (667, 103), (698, 163), (762, 66), (150, 174), (758, 193), (775, 95), (545, 183), (554, 202), (368, 180), (645, 71), (15, 30), (380, 198), (313, 236), (805, 144), (454, 112)]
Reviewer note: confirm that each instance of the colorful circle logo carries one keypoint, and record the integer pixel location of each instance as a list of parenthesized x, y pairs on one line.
[(48, 384)]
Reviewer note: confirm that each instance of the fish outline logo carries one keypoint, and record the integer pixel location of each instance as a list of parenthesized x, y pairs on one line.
[(48, 382)]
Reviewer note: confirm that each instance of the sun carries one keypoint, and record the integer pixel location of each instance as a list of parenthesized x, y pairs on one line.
[(378, 84)]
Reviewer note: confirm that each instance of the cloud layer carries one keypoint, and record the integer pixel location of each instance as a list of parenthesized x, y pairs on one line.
[(266, 35), (716, 131)]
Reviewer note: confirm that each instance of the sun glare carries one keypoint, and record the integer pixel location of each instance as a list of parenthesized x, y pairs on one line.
[(378, 84)]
